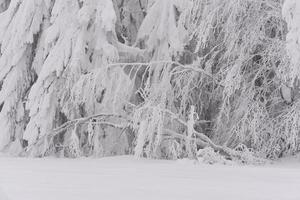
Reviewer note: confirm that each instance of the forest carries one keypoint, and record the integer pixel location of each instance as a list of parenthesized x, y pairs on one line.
[(162, 79)]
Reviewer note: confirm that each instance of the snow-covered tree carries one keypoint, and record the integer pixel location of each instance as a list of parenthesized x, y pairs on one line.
[(80, 40), (292, 16), (52, 45), (19, 31), (156, 78), (241, 42)]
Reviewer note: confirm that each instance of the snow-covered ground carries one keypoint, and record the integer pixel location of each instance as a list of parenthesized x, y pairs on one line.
[(3, 195), (123, 178)]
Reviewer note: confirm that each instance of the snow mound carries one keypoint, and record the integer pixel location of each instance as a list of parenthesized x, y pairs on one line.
[(209, 156)]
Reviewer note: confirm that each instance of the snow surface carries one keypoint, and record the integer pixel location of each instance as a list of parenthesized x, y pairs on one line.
[(122, 178), (2, 195)]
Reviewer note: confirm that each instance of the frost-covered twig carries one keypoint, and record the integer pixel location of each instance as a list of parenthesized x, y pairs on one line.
[(191, 67)]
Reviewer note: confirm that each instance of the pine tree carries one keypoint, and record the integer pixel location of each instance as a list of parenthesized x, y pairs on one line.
[(19, 31)]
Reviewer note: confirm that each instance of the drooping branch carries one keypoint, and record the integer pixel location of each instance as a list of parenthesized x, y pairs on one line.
[(80, 121)]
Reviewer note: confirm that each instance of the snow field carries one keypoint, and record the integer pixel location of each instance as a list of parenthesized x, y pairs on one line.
[(125, 178)]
